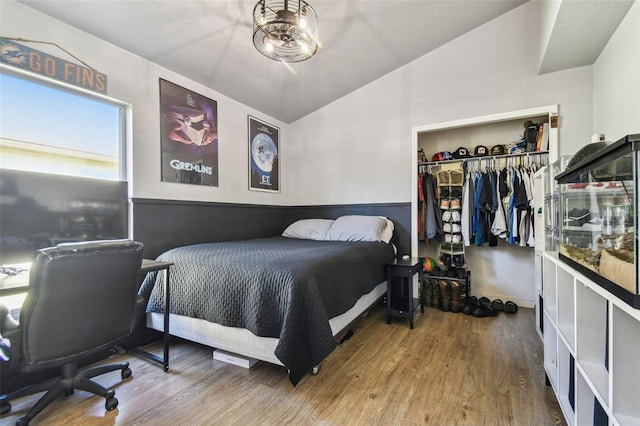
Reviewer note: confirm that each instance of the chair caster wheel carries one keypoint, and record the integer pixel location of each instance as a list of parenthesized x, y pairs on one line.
[(126, 373), (111, 404), (5, 407), (315, 370)]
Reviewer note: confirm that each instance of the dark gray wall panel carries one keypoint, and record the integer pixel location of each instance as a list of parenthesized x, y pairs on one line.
[(165, 224), (162, 224)]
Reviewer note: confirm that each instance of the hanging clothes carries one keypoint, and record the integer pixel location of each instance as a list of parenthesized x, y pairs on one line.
[(467, 210), (421, 209), (432, 221), (499, 226), (477, 213), (529, 217), (496, 203)]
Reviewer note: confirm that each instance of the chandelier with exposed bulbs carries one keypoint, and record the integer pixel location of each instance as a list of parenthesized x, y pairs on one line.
[(285, 30)]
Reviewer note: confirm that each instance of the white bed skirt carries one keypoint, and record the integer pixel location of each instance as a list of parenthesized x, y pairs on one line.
[(243, 342)]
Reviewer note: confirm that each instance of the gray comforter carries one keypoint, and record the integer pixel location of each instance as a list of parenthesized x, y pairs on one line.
[(274, 287)]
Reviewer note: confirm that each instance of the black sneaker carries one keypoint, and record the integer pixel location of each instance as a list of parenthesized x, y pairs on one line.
[(458, 259)]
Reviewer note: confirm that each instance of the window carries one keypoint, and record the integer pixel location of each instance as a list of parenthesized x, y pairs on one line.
[(53, 129)]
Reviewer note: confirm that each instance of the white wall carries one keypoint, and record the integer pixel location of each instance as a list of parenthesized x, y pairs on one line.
[(358, 149), (135, 80), (616, 81)]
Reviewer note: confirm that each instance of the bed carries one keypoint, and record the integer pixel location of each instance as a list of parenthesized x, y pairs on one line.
[(282, 299)]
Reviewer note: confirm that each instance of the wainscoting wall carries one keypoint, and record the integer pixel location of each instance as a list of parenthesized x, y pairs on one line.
[(165, 224), (162, 224)]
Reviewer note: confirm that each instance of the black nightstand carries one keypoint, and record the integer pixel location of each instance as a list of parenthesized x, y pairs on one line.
[(400, 300)]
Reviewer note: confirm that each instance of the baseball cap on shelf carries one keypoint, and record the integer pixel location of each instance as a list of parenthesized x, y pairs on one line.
[(498, 150), (461, 152), (442, 156), (480, 151)]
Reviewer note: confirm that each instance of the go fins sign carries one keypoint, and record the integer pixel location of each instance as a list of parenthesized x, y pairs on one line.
[(28, 59)]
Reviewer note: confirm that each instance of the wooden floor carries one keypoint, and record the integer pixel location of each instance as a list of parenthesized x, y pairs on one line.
[(451, 369)]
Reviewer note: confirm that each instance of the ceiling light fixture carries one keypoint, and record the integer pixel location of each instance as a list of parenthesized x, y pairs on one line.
[(285, 30)]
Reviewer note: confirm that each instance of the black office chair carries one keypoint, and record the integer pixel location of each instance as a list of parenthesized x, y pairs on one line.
[(82, 299)]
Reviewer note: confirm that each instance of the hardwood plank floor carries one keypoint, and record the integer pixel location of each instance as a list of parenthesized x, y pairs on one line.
[(451, 369)]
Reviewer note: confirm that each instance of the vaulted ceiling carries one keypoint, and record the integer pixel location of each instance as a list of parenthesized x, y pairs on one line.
[(211, 42)]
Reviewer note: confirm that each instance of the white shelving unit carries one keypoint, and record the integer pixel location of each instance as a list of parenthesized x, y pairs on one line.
[(602, 334)]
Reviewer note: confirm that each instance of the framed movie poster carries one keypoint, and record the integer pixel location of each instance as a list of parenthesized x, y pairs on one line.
[(264, 167), (189, 136)]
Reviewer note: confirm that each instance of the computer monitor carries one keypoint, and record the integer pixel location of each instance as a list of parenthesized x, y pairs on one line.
[(41, 210)]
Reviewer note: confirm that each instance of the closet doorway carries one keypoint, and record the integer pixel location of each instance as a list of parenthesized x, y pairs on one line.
[(504, 271)]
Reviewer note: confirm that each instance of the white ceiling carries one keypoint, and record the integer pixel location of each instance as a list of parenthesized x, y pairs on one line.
[(580, 31), (211, 42)]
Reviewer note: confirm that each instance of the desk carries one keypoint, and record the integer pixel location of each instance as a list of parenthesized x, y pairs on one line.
[(152, 266), (19, 283), (405, 269)]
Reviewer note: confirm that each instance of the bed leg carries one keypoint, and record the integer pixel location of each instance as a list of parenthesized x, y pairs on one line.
[(345, 337), (315, 370)]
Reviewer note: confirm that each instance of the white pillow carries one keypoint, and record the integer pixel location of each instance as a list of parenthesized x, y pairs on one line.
[(309, 229), (361, 228), (387, 233)]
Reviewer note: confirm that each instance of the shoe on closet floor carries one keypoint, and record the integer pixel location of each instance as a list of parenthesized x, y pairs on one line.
[(435, 295), (510, 307), (471, 305), (445, 296), (456, 301), (484, 311), (428, 292), (498, 305), (484, 308)]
